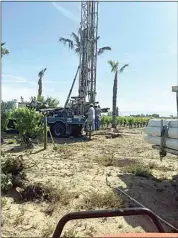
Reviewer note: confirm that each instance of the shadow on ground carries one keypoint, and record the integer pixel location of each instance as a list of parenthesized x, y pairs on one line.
[(161, 196), (68, 140), (16, 148)]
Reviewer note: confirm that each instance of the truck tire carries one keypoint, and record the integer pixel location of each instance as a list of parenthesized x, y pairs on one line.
[(58, 130)]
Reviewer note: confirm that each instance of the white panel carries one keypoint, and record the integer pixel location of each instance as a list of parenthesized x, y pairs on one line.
[(154, 140), (157, 123), (156, 131)]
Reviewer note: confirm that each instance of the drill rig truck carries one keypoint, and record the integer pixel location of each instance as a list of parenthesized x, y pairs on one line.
[(71, 119)]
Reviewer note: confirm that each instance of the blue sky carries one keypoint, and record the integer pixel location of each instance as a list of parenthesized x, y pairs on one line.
[(143, 34)]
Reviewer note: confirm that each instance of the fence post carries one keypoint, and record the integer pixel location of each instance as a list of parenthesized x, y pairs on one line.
[(45, 132)]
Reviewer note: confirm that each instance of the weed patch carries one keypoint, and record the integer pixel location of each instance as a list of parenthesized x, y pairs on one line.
[(107, 200), (3, 202), (71, 233), (11, 141), (40, 192), (12, 173), (106, 160), (138, 169)]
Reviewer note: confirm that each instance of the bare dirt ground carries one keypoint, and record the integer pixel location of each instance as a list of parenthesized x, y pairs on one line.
[(77, 170)]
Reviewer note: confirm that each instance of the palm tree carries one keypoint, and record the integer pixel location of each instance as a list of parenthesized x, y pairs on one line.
[(4, 51), (74, 44), (52, 102), (47, 102), (40, 75), (115, 68)]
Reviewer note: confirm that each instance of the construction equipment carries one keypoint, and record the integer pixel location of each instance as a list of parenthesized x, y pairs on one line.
[(88, 56), (71, 119)]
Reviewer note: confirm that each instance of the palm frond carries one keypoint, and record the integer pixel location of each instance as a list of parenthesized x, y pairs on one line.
[(103, 49), (68, 41), (114, 65), (76, 39), (41, 73), (123, 67), (4, 51), (77, 50)]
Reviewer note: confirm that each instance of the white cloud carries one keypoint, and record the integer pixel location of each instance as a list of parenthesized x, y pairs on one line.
[(14, 79), (65, 12), (9, 92)]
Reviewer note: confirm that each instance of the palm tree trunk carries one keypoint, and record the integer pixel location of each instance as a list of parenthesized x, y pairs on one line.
[(40, 87), (114, 101)]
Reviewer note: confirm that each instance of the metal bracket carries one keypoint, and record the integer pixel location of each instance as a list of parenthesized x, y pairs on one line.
[(164, 136)]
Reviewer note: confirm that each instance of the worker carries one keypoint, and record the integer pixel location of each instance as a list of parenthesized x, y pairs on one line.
[(91, 118), (98, 117)]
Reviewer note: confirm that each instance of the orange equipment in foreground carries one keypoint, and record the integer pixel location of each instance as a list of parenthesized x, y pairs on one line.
[(115, 213), (142, 235)]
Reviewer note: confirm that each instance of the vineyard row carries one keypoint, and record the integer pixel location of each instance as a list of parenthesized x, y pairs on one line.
[(131, 122)]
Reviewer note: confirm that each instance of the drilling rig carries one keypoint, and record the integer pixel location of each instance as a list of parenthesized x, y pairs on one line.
[(71, 119), (88, 57), (88, 52)]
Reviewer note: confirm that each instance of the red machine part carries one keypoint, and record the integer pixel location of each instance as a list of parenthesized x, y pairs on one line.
[(115, 213)]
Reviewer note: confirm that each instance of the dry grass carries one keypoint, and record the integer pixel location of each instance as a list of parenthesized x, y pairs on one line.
[(138, 169), (96, 200), (3, 202), (60, 180), (71, 234), (41, 192), (48, 230), (106, 160), (153, 165)]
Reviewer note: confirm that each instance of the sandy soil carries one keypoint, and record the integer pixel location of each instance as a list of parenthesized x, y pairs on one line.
[(77, 170)]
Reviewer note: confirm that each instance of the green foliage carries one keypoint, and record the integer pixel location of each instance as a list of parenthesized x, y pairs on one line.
[(52, 102), (139, 169), (12, 172), (4, 120), (28, 123), (75, 44), (4, 116), (11, 141), (129, 121), (6, 182), (48, 102)]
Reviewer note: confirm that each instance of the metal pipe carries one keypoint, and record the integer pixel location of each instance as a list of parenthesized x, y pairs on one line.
[(71, 88)]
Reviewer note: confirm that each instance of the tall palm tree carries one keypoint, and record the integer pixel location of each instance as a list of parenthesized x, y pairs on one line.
[(40, 75), (4, 51), (74, 44), (115, 69)]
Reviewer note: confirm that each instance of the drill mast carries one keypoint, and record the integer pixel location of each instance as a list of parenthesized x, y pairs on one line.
[(88, 52)]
